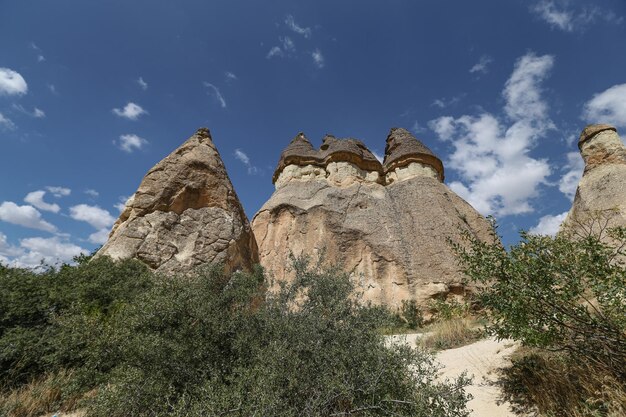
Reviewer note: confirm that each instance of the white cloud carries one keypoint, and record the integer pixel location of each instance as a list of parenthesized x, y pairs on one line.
[(291, 24), (12, 83), (26, 216), (51, 251), (569, 181), (549, 11), (123, 201), (92, 193), (36, 113), (491, 155), (7, 250), (608, 106), (318, 58), (6, 123), (35, 198), (142, 83), (275, 51), (52, 89), (59, 191), (417, 128), (523, 89), (442, 103), (131, 111), (245, 159), (98, 217), (482, 65), (40, 58), (230, 76), (100, 237), (548, 225), (288, 45), (443, 127), (130, 142), (378, 156), (567, 16), (215, 92), (240, 155)]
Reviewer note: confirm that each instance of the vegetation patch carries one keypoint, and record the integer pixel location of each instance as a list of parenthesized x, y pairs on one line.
[(127, 342), (563, 295)]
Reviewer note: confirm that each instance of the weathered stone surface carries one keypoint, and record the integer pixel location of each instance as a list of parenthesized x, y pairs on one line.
[(301, 153), (392, 239), (185, 213), (600, 199)]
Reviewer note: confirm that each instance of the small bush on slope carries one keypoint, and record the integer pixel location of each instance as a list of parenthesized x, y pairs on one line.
[(558, 294), (208, 344)]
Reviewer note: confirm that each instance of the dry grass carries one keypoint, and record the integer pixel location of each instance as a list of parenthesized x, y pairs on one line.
[(45, 395), (451, 333), (555, 386)]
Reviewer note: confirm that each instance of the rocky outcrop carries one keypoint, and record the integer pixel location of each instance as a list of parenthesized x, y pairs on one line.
[(388, 224), (185, 213), (600, 200)]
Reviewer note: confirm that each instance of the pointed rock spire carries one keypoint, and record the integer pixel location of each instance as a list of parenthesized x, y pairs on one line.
[(185, 213)]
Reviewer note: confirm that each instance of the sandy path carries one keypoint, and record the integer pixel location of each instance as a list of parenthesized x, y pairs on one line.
[(480, 360)]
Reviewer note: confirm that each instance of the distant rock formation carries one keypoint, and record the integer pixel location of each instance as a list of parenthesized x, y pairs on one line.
[(185, 213), (600, 199), (386, 224)]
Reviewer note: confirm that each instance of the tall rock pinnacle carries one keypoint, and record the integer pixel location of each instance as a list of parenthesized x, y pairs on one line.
[(185, 213), (601, 195)]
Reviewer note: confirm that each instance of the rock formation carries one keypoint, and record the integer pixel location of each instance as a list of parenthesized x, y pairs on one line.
[(185, 213), (601, 195), (386, 224)]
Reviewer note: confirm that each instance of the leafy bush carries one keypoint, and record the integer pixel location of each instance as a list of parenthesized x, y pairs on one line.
[(133, 343), (209, 344), (30, 342), (408, 317), (560, 294), (448, 309)]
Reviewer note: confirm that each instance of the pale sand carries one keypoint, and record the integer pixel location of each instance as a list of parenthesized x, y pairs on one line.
[(481, 360)]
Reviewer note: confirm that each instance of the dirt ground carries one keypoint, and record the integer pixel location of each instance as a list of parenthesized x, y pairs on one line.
[(481, 360)]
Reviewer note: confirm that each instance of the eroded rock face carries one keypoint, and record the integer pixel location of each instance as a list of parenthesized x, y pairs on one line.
[(185, 213), (601, 195), (392, 237)]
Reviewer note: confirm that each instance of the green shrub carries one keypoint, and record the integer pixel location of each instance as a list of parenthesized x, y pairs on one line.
[(209, 344), (408, 317), (30, 342), (559, 294)]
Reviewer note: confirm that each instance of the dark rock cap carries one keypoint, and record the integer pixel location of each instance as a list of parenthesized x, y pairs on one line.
[(591, 130), (301, 152), (348, 150), (402, 148)]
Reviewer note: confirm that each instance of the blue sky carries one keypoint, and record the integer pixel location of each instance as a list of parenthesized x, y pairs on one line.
[(93, 94)]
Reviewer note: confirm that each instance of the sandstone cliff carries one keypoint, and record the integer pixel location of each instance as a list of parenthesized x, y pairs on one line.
[(386, 224), (600, 199), (185, 213)]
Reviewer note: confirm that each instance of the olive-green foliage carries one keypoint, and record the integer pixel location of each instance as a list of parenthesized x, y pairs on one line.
[(557, 293), (411, 314), (133, 343), (210, 344), (30, 342)]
